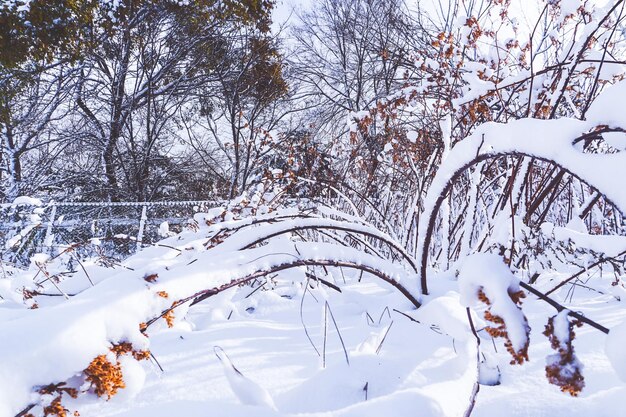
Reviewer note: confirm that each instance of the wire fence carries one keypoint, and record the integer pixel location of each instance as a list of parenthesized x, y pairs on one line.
[(118, 228)]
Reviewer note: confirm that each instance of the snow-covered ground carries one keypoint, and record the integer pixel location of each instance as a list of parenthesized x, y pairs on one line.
[(290, 345), (425, 368)]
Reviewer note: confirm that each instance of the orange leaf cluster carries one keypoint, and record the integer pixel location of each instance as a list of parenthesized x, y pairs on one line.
[(216, 240), (475, 30), (105, 377), (169, 318), (169, 315), (477, 110), (55, 408), (28, 294), (151, 278), (499, 330), (565, 371), (59, 388), (517, 296), (124, 348)]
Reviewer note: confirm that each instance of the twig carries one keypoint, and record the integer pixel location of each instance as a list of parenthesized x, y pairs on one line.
[(342, 228), (476, 387), (342, 275), (156, 361), (255, 290), (432, 214), (407, 316), (43, 271), (383, 313), (582, 271), (207, 293), (560, 308), (84, 270), (25, 411), (306, 331), (380, 346), (323, 281), (343, 345), (325, 335)]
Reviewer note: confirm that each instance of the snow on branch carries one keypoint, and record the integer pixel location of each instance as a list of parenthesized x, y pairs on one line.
[(554, 141), (79, 349), (484, 277)]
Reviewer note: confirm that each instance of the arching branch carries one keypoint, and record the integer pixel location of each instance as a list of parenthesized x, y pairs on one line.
[(209, 292), (431, 215), (322, 226)]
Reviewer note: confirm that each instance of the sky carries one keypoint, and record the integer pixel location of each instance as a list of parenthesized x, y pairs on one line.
[(286, 10)]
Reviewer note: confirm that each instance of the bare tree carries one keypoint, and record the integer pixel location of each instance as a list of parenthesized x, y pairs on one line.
[(31, 103)]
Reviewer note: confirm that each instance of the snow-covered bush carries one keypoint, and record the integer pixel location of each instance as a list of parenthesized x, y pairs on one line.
[(482, 187)]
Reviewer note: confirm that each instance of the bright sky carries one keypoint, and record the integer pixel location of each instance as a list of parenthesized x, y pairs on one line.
[(285, 10)]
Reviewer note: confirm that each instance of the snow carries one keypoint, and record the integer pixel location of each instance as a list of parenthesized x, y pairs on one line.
[(298, 322), (569, 7), (448, 314), (615, 351), (134, 378), (607, 108), (164, 229), (29, 201), (248, 392), (561, 327), (86, 325), (551, 140), (411, 360), (609, 245), (487, 272), (547, 139)]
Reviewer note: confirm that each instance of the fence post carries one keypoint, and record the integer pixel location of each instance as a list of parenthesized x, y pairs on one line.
[(142, 225), (48, 241)]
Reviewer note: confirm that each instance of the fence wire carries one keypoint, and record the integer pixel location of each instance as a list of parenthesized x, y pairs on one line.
[(119, 227)]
